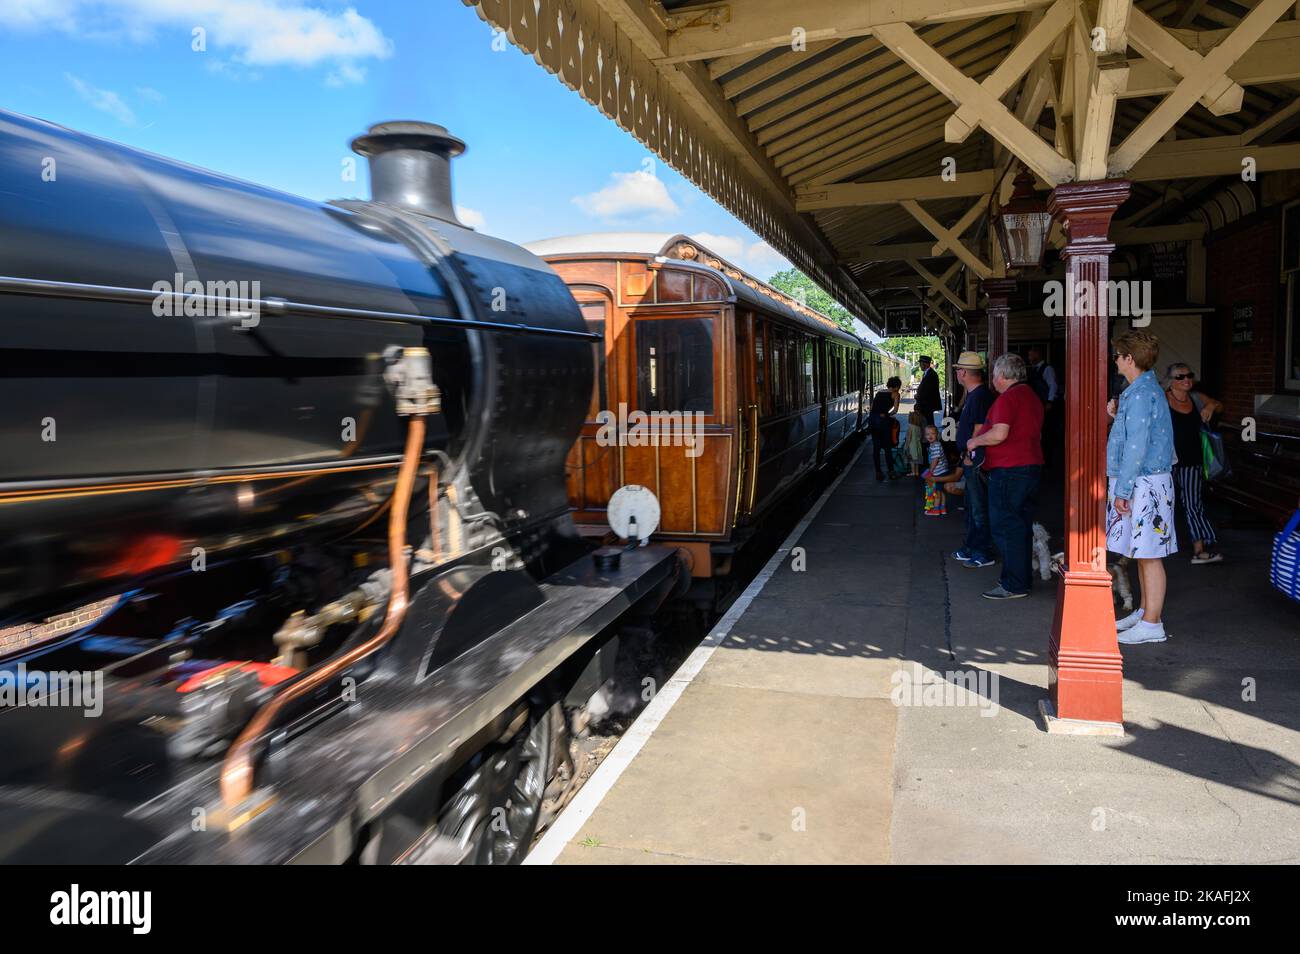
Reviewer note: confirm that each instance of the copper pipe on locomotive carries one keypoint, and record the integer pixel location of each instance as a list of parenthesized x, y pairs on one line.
[(417, 396)]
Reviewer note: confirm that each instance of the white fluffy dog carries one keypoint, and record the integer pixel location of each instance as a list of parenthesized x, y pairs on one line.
[(1119, 581), (1117, 568), (1042, 553)]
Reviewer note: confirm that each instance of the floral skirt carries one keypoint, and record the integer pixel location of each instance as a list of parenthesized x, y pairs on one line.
[(1146, 532)]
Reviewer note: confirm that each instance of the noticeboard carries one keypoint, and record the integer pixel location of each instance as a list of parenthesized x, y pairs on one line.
[(1243, 323)]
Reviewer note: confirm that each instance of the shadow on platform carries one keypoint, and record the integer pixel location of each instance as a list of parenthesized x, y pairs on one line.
[(800, 741)]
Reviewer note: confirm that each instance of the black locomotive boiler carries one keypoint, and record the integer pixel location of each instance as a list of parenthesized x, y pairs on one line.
[(311, 459)]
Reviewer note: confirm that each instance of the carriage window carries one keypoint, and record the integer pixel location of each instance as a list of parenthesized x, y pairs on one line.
[(760, 370), (776, 341), (593, 314), (794, 367), (809, 372), (674, 364)]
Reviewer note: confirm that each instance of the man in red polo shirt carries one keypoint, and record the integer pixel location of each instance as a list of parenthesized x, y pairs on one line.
[(1014, 463)]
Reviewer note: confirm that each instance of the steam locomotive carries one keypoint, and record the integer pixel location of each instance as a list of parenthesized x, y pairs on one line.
[(309, 458)]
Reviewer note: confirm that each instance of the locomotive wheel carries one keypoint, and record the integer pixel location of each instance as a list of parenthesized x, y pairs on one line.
[(493, 817)]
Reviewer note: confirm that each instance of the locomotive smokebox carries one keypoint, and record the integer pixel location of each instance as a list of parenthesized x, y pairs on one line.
[(410, 166)]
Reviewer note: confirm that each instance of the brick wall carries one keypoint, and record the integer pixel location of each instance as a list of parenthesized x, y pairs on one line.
[(14, 638), (1243, 267)]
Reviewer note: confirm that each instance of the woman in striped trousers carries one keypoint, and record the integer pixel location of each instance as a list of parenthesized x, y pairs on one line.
[(1188, 410)]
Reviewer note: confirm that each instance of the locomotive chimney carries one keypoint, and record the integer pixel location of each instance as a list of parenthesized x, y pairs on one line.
[(410, 166)]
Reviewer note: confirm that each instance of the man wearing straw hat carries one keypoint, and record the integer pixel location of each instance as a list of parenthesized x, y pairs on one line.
[(977, 549)]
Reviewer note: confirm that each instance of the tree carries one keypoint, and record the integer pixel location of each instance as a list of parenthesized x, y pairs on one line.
[(913, 346), (802, 288)]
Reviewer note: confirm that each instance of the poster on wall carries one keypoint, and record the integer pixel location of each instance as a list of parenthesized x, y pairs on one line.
[(1169, 263), (1243, 323)]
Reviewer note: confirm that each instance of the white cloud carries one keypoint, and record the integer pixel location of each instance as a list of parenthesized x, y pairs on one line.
[(471, 217), (251, 32), (149, 93), (105, 100), (347, 74), (728, 246), (36, 14), (628, 193), (766, 261), (757, 258)]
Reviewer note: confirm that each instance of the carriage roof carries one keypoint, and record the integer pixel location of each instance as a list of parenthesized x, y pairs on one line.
[(684, 251)]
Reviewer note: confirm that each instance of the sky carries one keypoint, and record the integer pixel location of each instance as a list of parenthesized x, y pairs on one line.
[(272, 91)]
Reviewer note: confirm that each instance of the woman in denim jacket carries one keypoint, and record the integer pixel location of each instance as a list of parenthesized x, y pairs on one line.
[(1139, 465)]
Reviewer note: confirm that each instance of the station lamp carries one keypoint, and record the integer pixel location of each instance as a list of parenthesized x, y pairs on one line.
[(1023, 224)]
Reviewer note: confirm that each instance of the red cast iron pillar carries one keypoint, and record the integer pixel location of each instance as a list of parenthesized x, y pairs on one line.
[(1086, 671), (999, 292)]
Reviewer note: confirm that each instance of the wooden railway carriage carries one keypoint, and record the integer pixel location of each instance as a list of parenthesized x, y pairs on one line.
[(714, 390)]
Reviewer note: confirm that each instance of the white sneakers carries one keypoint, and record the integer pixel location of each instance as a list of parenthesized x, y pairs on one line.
[(1143, 632), (1131, 620), (1133, 629)]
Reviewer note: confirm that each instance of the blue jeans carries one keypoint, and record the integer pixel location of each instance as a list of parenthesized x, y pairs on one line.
[(1013, 498), (979, 541)]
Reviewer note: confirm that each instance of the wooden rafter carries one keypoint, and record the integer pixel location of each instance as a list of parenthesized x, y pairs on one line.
[(1102, 77), (939, 283), (1221, 95), (992, 114), (950, 239), (1275, 58), (709, 30), (1013, 66), (895, 252), (966, 184), (1210, 73)]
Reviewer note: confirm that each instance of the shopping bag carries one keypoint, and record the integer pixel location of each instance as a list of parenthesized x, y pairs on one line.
[(1284, 568), (1214, 455)]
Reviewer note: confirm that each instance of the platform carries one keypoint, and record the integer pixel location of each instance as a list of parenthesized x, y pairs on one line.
[(778, 740)]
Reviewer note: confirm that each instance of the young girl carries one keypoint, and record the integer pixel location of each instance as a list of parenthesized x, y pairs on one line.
[(939, 472), (915, 450)]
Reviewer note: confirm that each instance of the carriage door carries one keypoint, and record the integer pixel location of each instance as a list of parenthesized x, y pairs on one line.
[(821, 349), (673, 393), (750, 371)]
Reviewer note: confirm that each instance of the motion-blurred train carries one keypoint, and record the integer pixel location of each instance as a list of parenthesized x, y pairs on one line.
[(307, 463)]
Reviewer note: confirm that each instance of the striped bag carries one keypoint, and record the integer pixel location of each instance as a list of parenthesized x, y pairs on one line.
[(1284, 571)]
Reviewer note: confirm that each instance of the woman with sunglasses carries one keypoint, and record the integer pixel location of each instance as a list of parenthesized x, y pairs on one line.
[(1188, 409)]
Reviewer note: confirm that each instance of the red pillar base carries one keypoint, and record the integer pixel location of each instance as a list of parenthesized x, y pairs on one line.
[(1085, 668)]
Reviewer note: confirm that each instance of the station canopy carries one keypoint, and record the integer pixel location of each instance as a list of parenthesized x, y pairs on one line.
[(871, 141)]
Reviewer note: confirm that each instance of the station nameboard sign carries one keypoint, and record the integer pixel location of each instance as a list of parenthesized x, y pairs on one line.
[(903, 320)]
